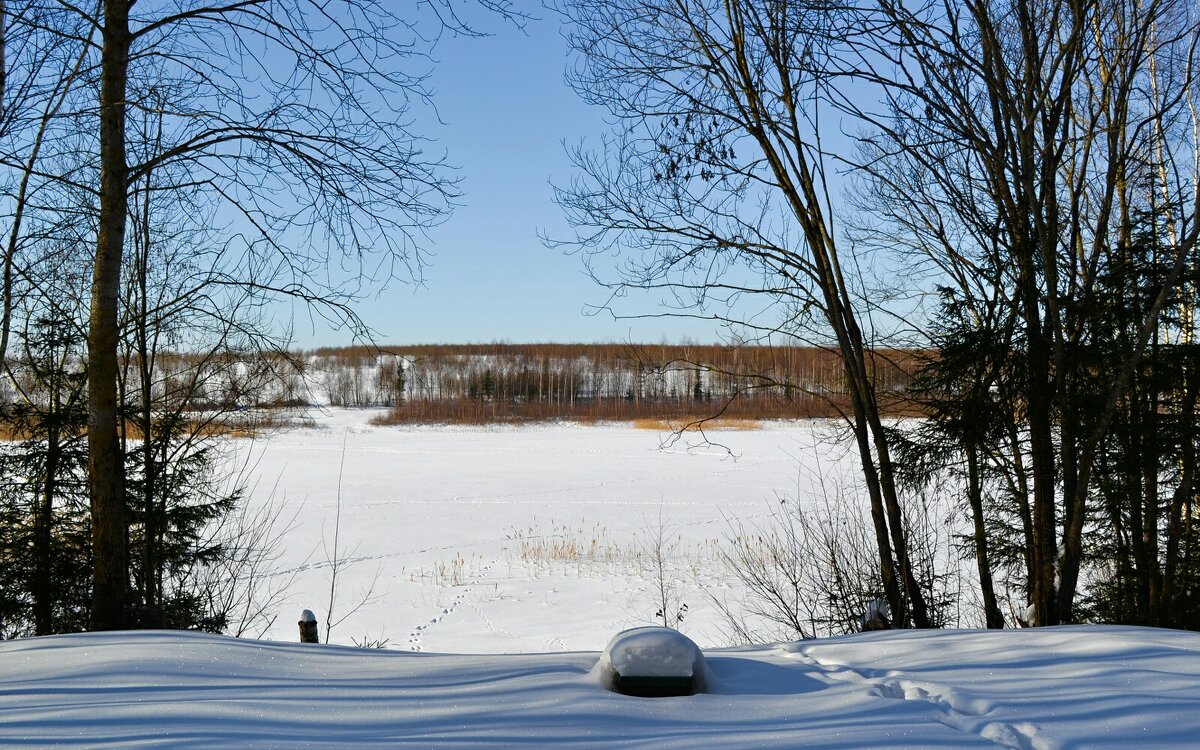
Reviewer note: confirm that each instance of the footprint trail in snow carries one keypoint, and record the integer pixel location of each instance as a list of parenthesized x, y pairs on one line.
[(957, 708), (463, 595)]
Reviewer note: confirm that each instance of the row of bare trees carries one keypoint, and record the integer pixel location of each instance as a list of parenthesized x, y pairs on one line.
[(566, 376), (1011, 186)]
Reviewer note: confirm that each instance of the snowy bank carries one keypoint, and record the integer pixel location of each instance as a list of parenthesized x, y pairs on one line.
[(1071, 687)]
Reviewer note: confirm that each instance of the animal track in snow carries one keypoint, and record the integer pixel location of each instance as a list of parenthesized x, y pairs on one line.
[(414, 637), (959, 709)]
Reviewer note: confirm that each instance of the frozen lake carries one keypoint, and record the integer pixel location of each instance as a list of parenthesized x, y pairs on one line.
[(515, 539)]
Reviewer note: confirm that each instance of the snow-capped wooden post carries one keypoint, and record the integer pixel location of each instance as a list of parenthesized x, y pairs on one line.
[(308, 627)]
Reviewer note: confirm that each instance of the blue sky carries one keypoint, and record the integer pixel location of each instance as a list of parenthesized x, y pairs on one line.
[(506, 112)]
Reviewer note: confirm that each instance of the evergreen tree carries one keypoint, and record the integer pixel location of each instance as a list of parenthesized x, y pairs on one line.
[(45, 540)]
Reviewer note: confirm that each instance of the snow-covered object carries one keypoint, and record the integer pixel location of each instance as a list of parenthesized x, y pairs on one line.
[(308, 627), (877, 616), (652, 652)]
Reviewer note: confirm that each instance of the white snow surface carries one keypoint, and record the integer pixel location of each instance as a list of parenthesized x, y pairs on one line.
[(505, 539), (481, 543), (1043, 689), (650, 652)]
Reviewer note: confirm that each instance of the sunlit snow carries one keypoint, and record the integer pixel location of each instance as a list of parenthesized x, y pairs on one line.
[(459, 548), (1048, 689), (515, 539)]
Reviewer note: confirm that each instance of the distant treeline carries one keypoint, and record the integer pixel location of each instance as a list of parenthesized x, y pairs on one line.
[(517, 382), (479, 383)]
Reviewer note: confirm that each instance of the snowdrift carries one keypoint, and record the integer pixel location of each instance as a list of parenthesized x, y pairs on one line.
[(1054, 688)]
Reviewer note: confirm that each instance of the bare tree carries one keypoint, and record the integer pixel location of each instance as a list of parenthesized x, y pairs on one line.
[(1009, 145), (715, 190), (38, 77), (1019, 142), (292, 118)]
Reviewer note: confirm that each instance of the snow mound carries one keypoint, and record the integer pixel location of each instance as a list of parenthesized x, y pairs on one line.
[(657, 653)]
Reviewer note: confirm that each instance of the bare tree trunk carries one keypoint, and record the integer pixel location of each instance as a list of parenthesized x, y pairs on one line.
[(1151, 447), (1041, 444), (1182, 498), (991, 609), (106, 469), (43, 583), (3, 53), (887, 564)]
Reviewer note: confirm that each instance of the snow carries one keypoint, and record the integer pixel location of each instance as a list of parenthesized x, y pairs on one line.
[(1037, 689), (651, 652), (513, 539), (482, 543)]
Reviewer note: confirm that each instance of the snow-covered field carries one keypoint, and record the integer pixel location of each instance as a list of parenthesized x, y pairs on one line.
[(515, 539), (1051, 689), (473, 544)]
